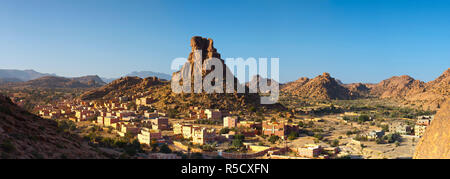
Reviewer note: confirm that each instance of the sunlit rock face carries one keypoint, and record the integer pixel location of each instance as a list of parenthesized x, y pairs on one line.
[(435, 144), (203, 53)]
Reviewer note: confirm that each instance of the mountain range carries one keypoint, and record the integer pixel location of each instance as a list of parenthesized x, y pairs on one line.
[(13, 75)]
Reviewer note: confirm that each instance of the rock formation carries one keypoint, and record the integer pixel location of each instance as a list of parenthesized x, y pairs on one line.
[(435, 144), (205, 47)]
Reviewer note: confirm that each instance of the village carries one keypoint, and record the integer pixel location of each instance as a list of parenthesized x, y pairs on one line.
[(214, 133)]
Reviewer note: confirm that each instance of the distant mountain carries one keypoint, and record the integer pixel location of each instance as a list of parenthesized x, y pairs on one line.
[(146, 74), (320, 87), (60, 82), (23, 75), (108, 80), (9, 80), (26, 136)]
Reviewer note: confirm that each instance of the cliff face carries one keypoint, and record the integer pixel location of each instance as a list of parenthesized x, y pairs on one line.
[(24, 136), (435, 144)]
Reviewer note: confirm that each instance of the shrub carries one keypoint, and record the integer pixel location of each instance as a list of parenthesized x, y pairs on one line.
[(335, 143)]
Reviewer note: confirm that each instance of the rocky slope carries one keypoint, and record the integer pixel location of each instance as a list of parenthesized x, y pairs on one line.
[(322, 87), (24, 135), (435, 144), (397, 87), (122, 86)]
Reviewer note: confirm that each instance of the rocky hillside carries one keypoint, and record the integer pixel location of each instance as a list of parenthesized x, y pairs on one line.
[(24, 135), (396, 87), (122, 86), (435, 144), (321, 87), (90, 80)]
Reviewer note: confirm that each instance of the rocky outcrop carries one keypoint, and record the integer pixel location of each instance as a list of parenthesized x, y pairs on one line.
[(24, 135), (194, 65), (322, 87), (435, 144)]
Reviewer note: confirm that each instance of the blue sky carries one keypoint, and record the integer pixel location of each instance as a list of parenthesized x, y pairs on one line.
[(355, 41)]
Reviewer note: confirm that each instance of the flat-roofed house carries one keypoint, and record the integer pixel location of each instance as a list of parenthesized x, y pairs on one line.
[(147, 135)]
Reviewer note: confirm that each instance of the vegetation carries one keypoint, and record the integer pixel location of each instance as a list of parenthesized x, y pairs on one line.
[(238, 141), (273, 139), (66, 126)]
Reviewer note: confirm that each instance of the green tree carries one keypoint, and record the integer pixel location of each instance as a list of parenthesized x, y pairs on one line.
[(273, 139)]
